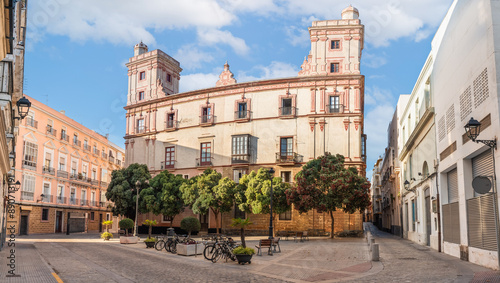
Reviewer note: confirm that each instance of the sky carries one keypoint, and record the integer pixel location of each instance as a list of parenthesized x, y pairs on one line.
[(76, 50)]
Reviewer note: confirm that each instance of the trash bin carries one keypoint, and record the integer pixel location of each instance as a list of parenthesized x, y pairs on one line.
[(170, 232)]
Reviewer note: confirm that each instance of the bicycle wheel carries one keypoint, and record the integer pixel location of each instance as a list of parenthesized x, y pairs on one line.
[(160, 245), (173, 247), (217, 254), (167, 245), (209, 251)]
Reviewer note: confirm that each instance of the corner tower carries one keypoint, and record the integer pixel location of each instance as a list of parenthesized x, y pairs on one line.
[(151, 75), (336, 46)]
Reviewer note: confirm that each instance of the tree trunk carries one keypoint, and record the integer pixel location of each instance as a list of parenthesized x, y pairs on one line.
[(243, 237), (150, 231), (172, 221), (216, 214), (333, 222)]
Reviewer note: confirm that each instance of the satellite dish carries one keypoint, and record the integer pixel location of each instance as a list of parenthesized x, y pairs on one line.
[(481, 185)]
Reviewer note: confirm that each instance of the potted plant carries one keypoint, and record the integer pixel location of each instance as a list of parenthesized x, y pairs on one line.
[(190, 224), (242, 224), (126, 224), (243, 255), (106, 235), (150, 242)]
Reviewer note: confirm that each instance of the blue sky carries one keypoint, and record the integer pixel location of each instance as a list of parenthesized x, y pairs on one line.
[(77, 50)]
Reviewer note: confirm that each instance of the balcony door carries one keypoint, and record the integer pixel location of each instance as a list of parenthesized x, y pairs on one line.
[(286, 149)]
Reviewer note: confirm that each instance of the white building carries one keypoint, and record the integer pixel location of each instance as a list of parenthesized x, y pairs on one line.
[(465, 83)]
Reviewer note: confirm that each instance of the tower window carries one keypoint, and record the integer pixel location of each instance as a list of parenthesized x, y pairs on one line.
[(142, 76), (169, 78), (141, 95), (335, 44), (334, 68)]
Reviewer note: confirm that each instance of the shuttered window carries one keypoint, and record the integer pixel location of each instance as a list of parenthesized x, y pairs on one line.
[(452, 186), (480, 209), (451, 223)]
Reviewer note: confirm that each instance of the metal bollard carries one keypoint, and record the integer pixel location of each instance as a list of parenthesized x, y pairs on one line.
[(372, 242), (375, 252)]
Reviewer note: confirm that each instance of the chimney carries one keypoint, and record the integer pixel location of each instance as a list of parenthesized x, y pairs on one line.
[(63, 112)]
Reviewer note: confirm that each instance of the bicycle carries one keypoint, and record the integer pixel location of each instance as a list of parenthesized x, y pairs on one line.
[(160, 242)]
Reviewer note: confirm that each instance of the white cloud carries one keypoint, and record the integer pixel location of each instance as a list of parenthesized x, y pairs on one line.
[(374, 61), (122, 21), (272, 71), (376, 122), (376, 96), (198, 81), (214, 36), (297, 36), (191, 57)]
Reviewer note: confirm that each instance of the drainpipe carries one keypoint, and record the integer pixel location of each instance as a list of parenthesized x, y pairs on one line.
[(438, 200)]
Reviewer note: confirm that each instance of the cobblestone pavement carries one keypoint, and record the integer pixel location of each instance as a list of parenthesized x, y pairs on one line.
[(86, 258)]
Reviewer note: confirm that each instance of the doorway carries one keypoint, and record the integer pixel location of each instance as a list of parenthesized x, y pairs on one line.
[(59, 217), (428, 216), (24, 225), (204, 222)]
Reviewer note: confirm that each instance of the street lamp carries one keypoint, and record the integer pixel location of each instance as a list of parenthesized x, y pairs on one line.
[(23, 107), (271, 173), (473, 129), (137, 187)]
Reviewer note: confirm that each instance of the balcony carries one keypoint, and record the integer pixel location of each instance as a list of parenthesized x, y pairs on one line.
[(118, 162), (46, 198), (206, 120), (102, 204), (104, 155), (86, 147), (202, 162), (62, 174), (51, 131), (140, 130), (242, 116), (77, 143), (48, 170), (30, 122), (285, 157), (111, 159), (95, 151), (335, 108), (104, 184), (167, 165), (171, 125), (61, 200), (94, 182), (64, 137), (31, 165), (73, 201), (287, 112), (240, 158), (27, 195), (84, 202), (94, 203)]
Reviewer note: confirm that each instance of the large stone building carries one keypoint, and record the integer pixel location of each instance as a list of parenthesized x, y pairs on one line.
[(239, 127), (12, 40), (65, 169)]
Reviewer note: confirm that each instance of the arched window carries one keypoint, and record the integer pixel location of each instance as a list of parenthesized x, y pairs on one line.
[(425, 170)]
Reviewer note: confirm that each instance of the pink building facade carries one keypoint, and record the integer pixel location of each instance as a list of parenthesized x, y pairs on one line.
[(64, 169)]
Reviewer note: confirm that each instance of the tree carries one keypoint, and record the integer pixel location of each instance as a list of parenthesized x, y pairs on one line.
[(326, 185), (190, 224), (242, 224), (150, 223), (122, 190), (209, 192), (163, 196), (126, 224), (254, 193)]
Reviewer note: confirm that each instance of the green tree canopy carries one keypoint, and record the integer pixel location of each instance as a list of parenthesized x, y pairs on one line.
[(254, 193), (122, 188), (326, 185), (209, 192), (163, 196)]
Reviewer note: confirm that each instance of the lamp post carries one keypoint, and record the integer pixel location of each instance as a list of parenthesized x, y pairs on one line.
[(473, 129), (137, 187), (271, 173)]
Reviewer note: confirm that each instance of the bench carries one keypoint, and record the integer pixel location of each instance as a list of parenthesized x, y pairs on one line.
[(265, 243), (276, 243)]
